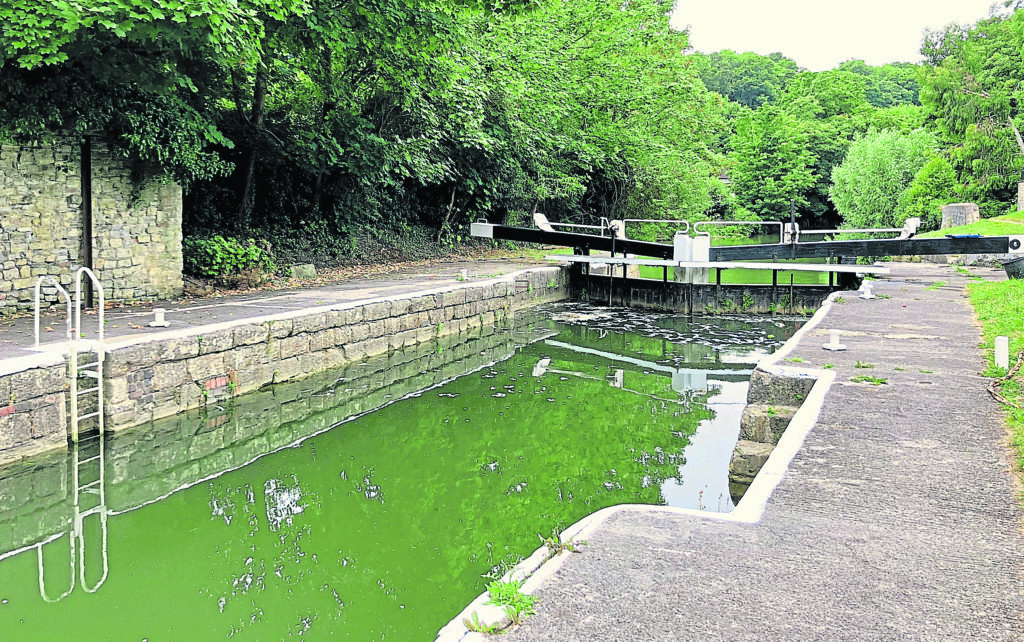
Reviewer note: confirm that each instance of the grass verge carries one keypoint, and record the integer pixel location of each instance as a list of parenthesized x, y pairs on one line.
[(1000, 308), (997, 226)]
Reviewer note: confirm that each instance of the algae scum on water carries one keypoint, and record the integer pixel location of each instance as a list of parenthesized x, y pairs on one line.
[(369, 503)]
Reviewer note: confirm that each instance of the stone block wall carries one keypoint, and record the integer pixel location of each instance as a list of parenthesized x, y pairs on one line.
[(162, 376), (143, 465), (152, 380), (40, 219), (955, 214), (33, 411), (773, 399), (136, 224)]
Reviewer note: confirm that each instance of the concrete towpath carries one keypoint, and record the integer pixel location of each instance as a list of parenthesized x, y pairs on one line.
[(17, 335), (897, 520)]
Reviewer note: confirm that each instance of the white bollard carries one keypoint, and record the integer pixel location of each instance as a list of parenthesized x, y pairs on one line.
[(865, 291), (159, 321), (463, 275), (1003, 352), (833, 341)]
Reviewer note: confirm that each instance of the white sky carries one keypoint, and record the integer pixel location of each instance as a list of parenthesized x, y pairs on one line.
[(820, 34)]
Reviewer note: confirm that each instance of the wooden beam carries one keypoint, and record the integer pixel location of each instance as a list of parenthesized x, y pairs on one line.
[(870, 247), (845, 268), (582, 241)]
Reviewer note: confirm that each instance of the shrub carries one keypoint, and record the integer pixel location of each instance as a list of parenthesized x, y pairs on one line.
[(218, 257)]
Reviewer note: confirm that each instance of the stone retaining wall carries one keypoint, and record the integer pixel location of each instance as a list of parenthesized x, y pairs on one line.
[(33, 410), (150, 462), (163, 375), (772, 400), (136, 224)]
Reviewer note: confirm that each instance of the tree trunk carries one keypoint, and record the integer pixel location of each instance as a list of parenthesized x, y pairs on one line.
[(447, 216), (256, 120), (1016, 133), (326, 66)]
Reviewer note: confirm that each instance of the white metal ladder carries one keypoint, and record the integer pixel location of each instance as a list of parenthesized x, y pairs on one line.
[(91, 370), (88, 454), (89, 499)]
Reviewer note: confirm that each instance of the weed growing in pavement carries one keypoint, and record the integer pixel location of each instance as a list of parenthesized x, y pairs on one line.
[(874, 381)]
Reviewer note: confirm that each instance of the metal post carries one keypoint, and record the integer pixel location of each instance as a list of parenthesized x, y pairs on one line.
[(611, 275), (87, 216), (775, 288)]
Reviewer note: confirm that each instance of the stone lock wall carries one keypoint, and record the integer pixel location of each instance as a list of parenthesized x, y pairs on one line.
[(162, 375), (33, 409), (158, 459), (772, 401), (136, 224), (158, 379)]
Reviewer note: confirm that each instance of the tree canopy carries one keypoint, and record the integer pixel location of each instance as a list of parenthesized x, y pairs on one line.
[(315, 121), (973, 94)]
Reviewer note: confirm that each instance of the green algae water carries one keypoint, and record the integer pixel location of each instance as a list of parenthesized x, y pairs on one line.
[(369, 503)]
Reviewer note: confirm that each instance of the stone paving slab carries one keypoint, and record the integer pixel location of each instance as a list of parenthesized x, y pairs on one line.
[(898, 519)]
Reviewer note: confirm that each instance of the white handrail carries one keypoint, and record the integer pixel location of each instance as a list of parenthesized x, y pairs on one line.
[(78, 301), (38, 297), (854, 231)]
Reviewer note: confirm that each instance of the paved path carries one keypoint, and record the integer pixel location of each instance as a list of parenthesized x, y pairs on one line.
[(17, 335), (896, 521)]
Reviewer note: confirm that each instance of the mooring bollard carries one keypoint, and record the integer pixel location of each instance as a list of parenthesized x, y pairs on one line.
[(865, 291), (1003, 352), (463, 275), (833, 341), (159, 321)]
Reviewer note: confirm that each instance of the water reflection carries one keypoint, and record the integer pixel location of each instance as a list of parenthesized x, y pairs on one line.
[(88, 499), (368, 503)]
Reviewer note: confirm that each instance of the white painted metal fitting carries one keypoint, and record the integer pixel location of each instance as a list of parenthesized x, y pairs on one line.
[(833, 341), (865, 291), (464, 275), (1002, 352), (159, 321)]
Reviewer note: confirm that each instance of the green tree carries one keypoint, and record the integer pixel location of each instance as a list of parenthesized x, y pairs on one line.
[(973, 95), (889, 85), (879, 167), (819, 114), (772, 162), (748, 78), (141, 72)]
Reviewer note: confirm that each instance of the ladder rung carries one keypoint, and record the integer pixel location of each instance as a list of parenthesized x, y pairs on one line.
[(89, 373), (88, 390), (86, 461), (89, 485), (89, 416), (91, 491), (92, 511)]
